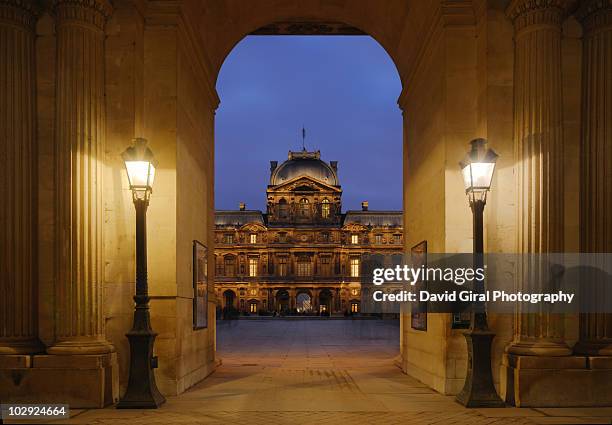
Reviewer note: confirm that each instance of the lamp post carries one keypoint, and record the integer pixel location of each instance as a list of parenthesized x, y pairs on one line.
[(142, 392), (478, 391)]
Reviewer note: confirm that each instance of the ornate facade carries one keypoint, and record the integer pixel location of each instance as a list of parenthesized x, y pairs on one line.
[(303, 255)]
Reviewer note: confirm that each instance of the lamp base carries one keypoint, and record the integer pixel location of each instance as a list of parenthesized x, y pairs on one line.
[(479, 390), (142, 392)]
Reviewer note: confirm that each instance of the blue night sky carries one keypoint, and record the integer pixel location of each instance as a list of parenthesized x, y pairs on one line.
[(343, 89)]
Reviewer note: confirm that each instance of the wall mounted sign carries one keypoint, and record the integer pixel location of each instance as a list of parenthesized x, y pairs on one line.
[(418, 315), (200, 285)]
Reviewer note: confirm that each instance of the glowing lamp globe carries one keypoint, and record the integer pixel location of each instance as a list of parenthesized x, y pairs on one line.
[(477, 168), (140, 167)]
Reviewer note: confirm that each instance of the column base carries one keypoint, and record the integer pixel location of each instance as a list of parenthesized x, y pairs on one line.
[(81, 346), (539, 348), (594, 348), (82, 381), (21, 346), (571, 381)]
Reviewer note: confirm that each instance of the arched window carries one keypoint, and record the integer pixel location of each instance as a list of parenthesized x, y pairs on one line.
[(325, 208), (304, 207), (283, 211)]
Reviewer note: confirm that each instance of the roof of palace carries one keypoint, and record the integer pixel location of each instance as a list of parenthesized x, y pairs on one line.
[(238, 218), (304, 163), (375, 218), (367, 218)]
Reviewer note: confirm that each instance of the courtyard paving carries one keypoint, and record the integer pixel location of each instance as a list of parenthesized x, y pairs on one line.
[(319, 372)]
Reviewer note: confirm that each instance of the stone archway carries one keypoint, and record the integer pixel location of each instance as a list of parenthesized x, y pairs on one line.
[(459, 67), (303, 300), (283, 301)]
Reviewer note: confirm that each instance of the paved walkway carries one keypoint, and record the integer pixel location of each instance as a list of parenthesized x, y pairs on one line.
[(319, 372)]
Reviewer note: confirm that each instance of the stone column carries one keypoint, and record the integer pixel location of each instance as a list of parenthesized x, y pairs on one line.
[(596, 196), (538, 142), (18, 221), (79, 139)]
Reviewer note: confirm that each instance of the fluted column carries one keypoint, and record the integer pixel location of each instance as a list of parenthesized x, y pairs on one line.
[(538, 142), (596, 172), (18, 300), (79, 139)]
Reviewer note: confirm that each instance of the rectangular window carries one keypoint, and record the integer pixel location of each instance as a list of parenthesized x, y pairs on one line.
[(253, 238), (354, 239), (354, 267), (397, 239), (253, 267), (282, 237), (282, 266), (230, 269), (378, 239), (253, 307), (354, 307), (304, 266), (229, 238), (326, 266)]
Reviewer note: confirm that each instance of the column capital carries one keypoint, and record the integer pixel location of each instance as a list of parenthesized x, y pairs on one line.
[(88, 12), (20, 12), (595, 15), (525, 13)]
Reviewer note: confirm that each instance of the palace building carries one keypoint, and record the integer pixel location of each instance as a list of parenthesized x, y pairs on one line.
[(303, 255)]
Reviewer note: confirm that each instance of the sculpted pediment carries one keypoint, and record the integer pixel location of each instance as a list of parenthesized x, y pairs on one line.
[(253, 227), (354, 227), (304, 184)]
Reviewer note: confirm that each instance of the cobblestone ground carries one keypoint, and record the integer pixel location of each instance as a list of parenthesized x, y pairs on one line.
[(319, 372)]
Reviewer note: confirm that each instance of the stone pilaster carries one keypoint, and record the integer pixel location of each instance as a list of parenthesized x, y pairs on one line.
[(18, 298), (596, 172), (538, 142), (79, 139)]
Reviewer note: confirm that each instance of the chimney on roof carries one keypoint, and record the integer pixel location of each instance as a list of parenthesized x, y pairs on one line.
[(242, 206), (273, 165), (364, 206), (334, 165)]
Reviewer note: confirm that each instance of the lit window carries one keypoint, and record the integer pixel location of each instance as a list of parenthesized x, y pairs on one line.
[(282, 266), (325, 208), (354, 307), (253, 238), (230, 268), (253, 307), (304, 266), (252, 267), (354, 239), (229, 238), (378, 239), (397, 239), (354, 267), (304, 207)]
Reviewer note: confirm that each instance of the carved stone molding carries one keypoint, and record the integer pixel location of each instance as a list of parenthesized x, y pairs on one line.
[(308, 28), (529, 13), (595, 15), (83, 12), (20, 12)]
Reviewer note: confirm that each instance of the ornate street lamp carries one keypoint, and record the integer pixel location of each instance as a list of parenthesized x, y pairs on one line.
[(478, 391), (142, 392)]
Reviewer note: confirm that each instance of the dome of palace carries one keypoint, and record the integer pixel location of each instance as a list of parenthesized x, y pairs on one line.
[(304, 164)]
